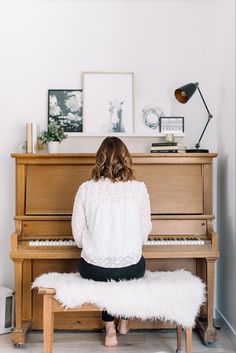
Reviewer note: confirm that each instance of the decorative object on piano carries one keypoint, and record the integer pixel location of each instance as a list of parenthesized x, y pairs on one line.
[(172, 125), (32, 136), (170, 138), (22, 147), (108, 102), (65, 109), (53, 137), (6, 310), (167, 147), (147, 115), (183, 94)]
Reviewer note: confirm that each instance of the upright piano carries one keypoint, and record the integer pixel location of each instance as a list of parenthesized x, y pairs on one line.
[(180, 189)]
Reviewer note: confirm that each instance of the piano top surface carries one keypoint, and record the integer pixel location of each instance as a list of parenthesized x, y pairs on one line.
[(152, 155)]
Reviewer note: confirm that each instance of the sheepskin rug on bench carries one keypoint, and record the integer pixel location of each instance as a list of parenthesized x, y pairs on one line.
[(174, 295)]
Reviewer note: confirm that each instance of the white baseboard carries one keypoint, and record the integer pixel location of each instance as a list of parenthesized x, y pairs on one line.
[(228, 329)]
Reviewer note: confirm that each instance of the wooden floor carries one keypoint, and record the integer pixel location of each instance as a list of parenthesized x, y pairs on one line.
[(133, 342)]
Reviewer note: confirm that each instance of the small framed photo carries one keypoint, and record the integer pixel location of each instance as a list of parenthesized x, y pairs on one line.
[(171, 125), (148, 113), (65, 109), (108, 102)]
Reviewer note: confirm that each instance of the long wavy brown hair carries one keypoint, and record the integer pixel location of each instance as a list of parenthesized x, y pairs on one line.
[(113, 161)]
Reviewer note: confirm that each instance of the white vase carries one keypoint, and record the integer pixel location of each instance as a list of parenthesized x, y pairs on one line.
[(53, 146)]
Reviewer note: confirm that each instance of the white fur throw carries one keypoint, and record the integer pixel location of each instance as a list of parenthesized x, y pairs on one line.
[(175, 296)]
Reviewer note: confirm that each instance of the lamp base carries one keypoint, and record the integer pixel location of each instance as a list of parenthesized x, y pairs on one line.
[(197, 150)]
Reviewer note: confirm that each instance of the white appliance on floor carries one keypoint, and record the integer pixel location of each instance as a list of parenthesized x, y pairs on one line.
[(6, 310)]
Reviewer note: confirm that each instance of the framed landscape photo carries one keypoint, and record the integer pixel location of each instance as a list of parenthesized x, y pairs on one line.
[(65, 109), (172, 125), (108, 102)]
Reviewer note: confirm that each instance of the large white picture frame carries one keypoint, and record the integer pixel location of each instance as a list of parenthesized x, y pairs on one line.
[(108, 102)]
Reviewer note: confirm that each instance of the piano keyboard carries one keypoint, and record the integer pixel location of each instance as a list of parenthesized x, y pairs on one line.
[(52, 243), (155, 242), (175, 241)]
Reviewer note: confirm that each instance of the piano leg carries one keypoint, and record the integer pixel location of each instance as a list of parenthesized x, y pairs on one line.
[(206, 327), (18, 334)]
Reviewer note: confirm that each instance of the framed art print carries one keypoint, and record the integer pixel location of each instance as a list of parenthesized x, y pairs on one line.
[(65, 109), (171, 125), (148, 113), (108, 102)]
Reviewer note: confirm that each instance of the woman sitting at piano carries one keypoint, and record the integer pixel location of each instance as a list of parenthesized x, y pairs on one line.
[(110, 222)]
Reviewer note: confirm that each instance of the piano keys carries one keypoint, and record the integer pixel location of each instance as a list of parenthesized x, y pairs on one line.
[(154, 241), (180, 189)]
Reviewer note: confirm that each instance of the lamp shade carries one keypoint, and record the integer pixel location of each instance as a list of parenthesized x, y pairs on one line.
[(184, 93)]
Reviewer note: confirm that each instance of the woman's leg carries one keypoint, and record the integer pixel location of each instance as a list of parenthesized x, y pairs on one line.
[(123, 326), (110, 339), (101, 274), (131, 272), (96, 273)]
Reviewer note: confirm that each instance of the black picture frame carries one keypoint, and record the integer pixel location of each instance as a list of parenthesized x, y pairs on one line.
[(65, 109), (171, 125)]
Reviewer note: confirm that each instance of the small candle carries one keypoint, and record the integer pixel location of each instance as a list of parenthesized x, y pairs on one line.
[(170, 138)]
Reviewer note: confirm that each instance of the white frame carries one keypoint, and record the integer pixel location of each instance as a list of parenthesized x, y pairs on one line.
[(100, 90)]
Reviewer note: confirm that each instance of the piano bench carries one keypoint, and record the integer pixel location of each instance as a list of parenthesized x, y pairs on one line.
[(175, 296)]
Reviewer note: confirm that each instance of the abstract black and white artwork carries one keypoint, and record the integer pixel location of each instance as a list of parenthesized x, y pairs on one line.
[(65, 109), (147, 117), (108, 102)]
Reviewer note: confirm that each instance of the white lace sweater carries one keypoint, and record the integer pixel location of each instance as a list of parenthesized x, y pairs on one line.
[(111, 221)]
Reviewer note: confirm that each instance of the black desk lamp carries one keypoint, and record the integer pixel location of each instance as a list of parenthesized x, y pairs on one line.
[(183, 94)]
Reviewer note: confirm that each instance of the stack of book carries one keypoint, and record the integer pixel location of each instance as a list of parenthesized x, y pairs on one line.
[(167, 147)]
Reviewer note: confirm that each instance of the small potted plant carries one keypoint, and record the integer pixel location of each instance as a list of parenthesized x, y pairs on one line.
[(53, 137)]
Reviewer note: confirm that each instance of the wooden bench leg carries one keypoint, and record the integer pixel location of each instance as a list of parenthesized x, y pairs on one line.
[(48, 322), (188, 339), (179, 339)]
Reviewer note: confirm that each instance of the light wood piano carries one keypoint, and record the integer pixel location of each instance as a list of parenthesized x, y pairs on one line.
[(180, 189)]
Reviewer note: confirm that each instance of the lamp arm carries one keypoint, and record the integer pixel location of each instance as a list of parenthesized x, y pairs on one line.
[(198, 143), (203, 99), (210, 116)]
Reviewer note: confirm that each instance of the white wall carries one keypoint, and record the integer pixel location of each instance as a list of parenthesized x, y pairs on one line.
[(226, 274), (48, 44)]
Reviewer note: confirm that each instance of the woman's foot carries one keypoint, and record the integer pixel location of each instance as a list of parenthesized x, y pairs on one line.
[(123, 327), (110, 339)]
